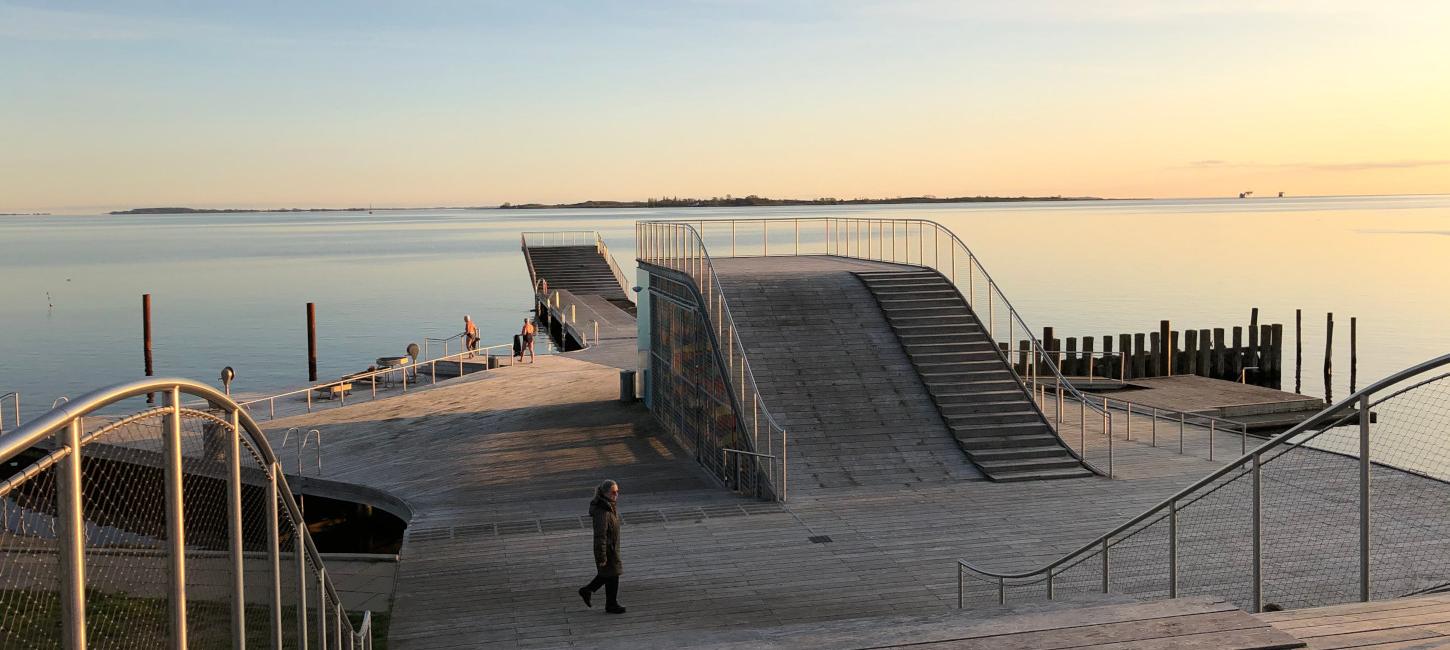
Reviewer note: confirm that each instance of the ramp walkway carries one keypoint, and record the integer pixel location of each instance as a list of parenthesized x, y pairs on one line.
[(828, 365)]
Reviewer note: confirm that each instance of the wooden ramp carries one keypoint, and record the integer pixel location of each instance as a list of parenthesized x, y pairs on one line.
[(988, 411), (832, 372), (1186, 623)]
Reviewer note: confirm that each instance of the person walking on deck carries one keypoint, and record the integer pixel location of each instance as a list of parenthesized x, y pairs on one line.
[(470, 335), (603, 509), (528, 334)]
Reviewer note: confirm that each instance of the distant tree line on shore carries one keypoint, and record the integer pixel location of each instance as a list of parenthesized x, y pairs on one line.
[(754, 200)]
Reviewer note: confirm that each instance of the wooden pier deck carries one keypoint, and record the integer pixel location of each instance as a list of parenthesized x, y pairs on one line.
[(497, 468)]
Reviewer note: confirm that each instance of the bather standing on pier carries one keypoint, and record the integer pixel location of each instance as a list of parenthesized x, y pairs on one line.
[(603, 509), (528, 334), (470, 334)]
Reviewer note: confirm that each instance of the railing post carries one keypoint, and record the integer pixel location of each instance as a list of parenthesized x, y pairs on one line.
[(1154, 415), (1106, 565), (337, 624), (1182, 422), (175, 522), (1129, 419), (1173, 549), (1001, 591), (1049, 584), (71, 529), (299, 552), (1212, 425), (234, 530), (1257, 534), (274, 554), (961, 597), (1364, 498), (1109, 427), (321, 606)]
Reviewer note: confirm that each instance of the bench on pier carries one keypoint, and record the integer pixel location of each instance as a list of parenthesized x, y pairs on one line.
[(333, 391)]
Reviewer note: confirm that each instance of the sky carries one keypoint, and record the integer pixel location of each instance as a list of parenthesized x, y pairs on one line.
[(107, 105)]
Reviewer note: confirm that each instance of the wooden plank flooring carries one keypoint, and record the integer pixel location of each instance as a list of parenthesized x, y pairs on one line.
[(498, 468), (1422, 622)]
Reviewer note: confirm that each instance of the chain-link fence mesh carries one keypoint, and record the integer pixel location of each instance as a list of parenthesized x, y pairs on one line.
[(127, 541), (29, 565), (1308, 526)]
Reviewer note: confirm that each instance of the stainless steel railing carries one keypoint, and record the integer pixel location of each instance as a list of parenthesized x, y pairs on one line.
[(566, 312), (1295, 516), (545, 239), (678, 246), (384, 376), (913, 242), (141, 482), (14, 397)]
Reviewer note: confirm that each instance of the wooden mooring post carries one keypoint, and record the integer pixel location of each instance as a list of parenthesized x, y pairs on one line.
[(1251, 356), (1205, 353), (1353, 352), (146, 339), (1276, 356), (311, 342), (1328, 357), (1190, 352), (1298, 350), (1165, 358), (1140, 355)]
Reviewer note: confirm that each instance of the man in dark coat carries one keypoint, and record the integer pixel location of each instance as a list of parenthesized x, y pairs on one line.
[(603, 509)]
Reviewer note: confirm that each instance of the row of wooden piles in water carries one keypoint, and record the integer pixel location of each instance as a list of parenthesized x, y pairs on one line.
[(1219, 353)]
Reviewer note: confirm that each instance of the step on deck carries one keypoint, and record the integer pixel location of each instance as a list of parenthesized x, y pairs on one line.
[(991, 415)]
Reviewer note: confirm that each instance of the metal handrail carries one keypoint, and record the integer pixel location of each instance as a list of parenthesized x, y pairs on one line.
[(624, 283), (15, 397), (372, 377), (568, 315), (678, 246), (557, 237), (444, 341), (841, 232), (1340, 410), (63, 424)]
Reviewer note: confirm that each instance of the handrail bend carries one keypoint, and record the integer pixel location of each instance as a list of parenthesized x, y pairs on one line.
[(14, 396), (53, 424), (1338, 411)]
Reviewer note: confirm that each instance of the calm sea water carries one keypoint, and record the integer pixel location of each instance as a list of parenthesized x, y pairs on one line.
[(231, 289)]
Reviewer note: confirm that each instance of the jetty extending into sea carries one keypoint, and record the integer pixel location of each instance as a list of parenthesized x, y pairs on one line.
[(842, 435)]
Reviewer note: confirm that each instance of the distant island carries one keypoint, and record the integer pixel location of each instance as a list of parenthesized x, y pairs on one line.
[(235, 210), (24, 214), (752, 200)]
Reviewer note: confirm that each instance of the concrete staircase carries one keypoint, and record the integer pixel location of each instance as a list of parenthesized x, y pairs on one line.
[(579, 269), (991, 415)]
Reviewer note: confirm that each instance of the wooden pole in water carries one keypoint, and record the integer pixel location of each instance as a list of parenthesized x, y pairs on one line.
[(1140, 355), (1049, 347), (146, 338), (1155, 354), (1266, 335), (1353, 351), (1253, 352), (1328, 357), (1190, 352), (1298, 348), (1175, 363), (1125, 344), (1220, 351), (1165, 338), (1236, 353), (1071, 360), (311, 342), (1276, 352), (1205, 353), (1086, 364)]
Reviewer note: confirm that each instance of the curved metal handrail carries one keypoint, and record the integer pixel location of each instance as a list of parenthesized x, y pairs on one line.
[(1338, 410), (15, 397), (64, 416)]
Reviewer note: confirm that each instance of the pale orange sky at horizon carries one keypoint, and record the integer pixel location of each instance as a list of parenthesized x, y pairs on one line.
[(350, 106)]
